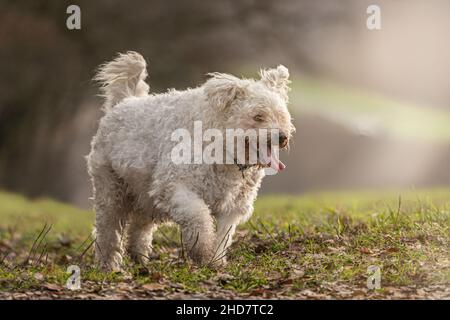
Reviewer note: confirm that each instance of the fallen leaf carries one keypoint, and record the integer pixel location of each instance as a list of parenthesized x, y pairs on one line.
[(224, 278), (286, 281), (209, 282), (38, 276), (52, 286), (299, 273), (421, 292), (258, 292), (156, 276), (153, 287)]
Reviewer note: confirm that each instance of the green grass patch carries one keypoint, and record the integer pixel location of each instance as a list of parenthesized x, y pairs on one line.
[(320, 243)]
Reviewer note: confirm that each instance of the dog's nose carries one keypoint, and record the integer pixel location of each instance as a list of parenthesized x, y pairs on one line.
[(283, 140)]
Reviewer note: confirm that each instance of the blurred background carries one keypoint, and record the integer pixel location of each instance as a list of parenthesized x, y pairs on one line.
[(372, 108)]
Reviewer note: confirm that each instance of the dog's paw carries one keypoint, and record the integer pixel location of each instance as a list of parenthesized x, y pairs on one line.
[(110, 267), (218, 263)]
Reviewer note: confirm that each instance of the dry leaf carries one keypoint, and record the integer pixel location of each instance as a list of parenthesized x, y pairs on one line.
[(153, 287), (299, 273), (52, 287), (258, 292), (38, 276), (287, 281), (365, 250), (156, 276)]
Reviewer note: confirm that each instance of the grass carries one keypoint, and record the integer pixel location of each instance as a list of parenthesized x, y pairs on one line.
[(19, 212), (310, 246)]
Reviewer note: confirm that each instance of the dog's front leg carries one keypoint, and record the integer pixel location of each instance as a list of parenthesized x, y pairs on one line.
[(196, 222), (226, 227)]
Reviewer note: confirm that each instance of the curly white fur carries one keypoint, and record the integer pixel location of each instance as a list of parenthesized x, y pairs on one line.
[(137, 186), (123, 77)]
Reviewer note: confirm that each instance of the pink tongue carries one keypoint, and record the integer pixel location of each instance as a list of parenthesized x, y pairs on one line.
[(275, 163)]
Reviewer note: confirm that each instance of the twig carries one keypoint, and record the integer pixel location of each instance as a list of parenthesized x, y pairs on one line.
[(83, 243), (44, 251), (34, 243), (41, 240), (225, 252), (267, 230), (38, 241), (80, 257), (399, 205), (223, 238), (253, 226), (4, 257), (195, 243), (182, 246), (171, 241)]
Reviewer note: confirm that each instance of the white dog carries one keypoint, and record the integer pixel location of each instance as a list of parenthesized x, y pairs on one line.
[(137, 185)]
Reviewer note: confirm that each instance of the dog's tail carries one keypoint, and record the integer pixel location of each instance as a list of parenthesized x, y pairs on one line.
[(123, 77)]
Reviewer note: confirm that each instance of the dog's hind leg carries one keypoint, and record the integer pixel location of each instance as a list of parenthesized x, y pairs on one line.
[(110, 205), (140, 236), (197, 225)]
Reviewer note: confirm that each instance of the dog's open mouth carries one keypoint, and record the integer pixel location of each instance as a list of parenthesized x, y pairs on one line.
[(272, 160), (267, 157)]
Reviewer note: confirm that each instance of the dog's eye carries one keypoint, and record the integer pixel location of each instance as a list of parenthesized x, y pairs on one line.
[(258, 118)]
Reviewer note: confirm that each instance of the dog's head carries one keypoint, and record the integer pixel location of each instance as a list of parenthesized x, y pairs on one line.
[(250, 104)]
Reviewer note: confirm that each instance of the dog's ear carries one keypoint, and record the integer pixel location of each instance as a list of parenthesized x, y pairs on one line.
[(221, 89), (277, 79)]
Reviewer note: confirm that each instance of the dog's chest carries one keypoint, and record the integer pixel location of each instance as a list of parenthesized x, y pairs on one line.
[(232, 193)]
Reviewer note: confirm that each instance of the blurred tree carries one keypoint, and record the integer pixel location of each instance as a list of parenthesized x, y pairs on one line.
[(46, 111)]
